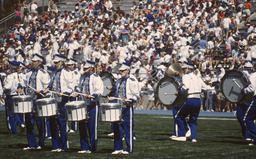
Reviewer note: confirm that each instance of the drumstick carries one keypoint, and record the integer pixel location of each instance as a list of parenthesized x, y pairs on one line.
[(35, 90), (90, 96), (169, 94), (120, 99), (57, 92), (236, 83)]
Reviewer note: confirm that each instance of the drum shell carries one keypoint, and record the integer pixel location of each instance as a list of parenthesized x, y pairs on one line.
[(22, 104), (111, 112), (231, 91), (46, 107), (108, 80), (76, 111)]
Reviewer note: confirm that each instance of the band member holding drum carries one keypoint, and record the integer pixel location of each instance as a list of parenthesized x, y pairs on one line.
[(126, 89), (192, 85), (13, 86), (71, 65), (90, 88), (61, 88), (242, 107), (38, 79), (250, 114), (176, 108)]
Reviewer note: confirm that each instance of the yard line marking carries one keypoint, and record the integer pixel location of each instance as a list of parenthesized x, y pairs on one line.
[(202, 118)]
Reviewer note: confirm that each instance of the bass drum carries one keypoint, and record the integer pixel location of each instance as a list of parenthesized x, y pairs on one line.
[(108, 80), (230, 86), (166, 89)]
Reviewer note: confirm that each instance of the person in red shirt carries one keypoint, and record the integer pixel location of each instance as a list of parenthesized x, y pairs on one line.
[(247, 10)]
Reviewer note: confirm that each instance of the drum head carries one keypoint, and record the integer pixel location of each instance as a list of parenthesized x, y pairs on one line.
[(108, 80), (166, 89), (230, 84)]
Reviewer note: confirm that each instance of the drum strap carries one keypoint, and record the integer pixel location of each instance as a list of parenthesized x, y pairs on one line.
[(32, 83)]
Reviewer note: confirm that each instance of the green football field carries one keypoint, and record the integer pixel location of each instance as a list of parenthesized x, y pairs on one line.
[(217, 138)]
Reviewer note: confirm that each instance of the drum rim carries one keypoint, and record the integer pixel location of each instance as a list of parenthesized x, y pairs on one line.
[(44, 101), (111, 105), (81, 104), (22, 98), (222, 82), (112, 79), (166, 77)]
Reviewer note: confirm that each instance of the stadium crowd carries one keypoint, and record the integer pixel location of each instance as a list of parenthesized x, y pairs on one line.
[(155, 34)]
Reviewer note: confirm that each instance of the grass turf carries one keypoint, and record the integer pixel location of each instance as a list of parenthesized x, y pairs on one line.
[(216, 139)]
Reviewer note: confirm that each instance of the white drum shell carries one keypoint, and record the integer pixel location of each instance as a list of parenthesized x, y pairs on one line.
[(76, 111), (22, 104), (46, 107), (111, 112)]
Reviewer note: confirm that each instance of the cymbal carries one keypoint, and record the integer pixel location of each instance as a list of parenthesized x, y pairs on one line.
[(173, 69)]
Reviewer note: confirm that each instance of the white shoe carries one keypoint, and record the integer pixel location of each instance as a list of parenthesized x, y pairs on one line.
[(134, 138), (248, 139), (117, 152), (194, 140), (179, 138), (49, 137), (29, 148), (56, 150), (71, 131), (22, 126), (251, 144), (125, 152), (111, 134), (85, 151), (123, 139), (38, 147), (172, 136), (188, 133)]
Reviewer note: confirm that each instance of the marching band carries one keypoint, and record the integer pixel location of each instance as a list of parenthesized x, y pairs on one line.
[(64, 84)]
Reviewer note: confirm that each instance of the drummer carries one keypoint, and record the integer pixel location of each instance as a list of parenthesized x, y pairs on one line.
[(91, 87), (192, 85), (250, 115), (60, 86), (242, 107), (128, 90), (175, 108), (38, 79), (14, 85), (71, 65)]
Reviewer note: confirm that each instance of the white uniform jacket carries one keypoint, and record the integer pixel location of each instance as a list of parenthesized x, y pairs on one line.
[(42, 79), (95, 86), (12, 83), (251, 89), (193, 84), (132, 89)]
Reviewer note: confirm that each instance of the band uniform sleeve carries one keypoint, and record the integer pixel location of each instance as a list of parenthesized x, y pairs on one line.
[(251, 89), (134, 90), (66, 82)]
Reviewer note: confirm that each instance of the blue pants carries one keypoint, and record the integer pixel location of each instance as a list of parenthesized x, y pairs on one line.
[(59, 123), (92, 126), (240, 113), (47, 127), (118, 136), (191, 108), (249, 118), (30, 120), (128, 128), (175, 109), (13, 118)]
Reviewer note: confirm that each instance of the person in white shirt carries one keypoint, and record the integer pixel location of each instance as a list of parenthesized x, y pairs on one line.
[(192, 86)]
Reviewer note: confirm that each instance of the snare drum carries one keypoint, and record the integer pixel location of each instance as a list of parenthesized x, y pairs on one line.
[(46, 107), (76, 110), (22, 104), (230, 86), (108, 80), (166, 89), (111, 112)]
